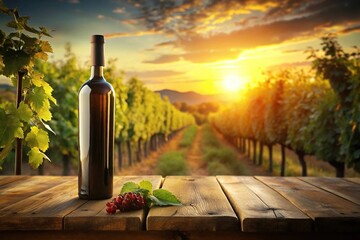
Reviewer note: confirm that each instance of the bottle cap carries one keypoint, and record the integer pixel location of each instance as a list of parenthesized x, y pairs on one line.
[(97, 50)]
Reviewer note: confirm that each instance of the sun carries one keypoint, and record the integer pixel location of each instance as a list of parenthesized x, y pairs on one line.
[(233, 83)]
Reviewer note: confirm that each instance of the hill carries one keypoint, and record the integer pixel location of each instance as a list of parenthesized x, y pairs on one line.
[(191, 97)]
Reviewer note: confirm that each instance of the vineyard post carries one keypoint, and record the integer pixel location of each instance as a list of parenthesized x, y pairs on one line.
[(18, 147)]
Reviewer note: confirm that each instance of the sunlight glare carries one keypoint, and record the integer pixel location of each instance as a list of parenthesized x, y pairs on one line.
[(233, 83)]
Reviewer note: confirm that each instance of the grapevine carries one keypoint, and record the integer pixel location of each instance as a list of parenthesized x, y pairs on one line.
[(25, 120)]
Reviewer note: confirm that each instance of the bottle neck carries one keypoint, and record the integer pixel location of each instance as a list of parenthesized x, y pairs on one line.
[(97, 71)]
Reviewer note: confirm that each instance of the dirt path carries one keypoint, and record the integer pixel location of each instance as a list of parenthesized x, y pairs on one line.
[(196, 165), (149, 165), (251, 169), (194, 156)]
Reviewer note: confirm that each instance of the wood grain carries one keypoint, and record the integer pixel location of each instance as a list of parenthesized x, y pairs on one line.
[(354, 180), (330, 212), (204, 207), (261, 209), (19, 190), (340, 187), (92, 214), (44, 210)]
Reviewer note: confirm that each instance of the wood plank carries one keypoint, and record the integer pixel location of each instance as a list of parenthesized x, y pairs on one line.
[(172, 235), (330, 213), (204, 207), (44, 210), (354, 180), (92, 215), (337, 186), (9, 179), (19, 190), (260, 208)]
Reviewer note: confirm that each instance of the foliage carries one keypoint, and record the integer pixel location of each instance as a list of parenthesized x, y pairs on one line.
[(302, 111), (342, 70), (188, 136), (172, 163), (19, 50)]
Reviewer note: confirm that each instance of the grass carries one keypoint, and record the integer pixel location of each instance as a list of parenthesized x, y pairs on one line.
[(188, 137), (220, 159), (172, 163)]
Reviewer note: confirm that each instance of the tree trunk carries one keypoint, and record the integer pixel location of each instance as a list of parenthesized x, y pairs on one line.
[(248, 150), (145, 148), (301, 157), (66, 165), (261, 153), (128, 143), (243, 145), (270, 147), (339, 167), (254, 151), (283, 160), (138, 151), (120, 157), (18, 143)]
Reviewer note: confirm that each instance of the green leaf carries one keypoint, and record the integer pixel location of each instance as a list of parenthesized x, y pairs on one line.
[(44, 113), (15, 61), (8, 126), (35, 157), (162, 197), (129, 187), (147, 185), (37, 98), (19, 133), (37, 138), (24, 112), (4, 152)]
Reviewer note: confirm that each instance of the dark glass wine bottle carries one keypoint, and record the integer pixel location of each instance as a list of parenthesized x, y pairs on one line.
[(96, 129)]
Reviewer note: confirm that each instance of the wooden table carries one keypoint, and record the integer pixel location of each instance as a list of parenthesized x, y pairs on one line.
[(223, 207)]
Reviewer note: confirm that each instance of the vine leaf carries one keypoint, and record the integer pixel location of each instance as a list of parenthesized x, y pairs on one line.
[(37, 138)]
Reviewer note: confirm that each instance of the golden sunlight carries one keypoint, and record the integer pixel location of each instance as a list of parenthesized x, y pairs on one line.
[(233, 83)]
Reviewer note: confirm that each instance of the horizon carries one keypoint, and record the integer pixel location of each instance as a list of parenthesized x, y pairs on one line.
[(195, 46)]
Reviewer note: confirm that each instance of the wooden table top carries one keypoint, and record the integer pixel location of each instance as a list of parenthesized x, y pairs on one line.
[(223, 203)]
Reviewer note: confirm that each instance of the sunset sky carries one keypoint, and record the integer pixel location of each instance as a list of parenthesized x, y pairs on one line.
[(190, 45)]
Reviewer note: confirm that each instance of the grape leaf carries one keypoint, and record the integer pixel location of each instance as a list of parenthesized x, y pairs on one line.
[(4, 152), (24, 112), (19, 133), (129, 187), (14, 61), (37, 98), (35, 157), (37, 138), (146, 185), (44, 112), (8, 126), (46, 47), (162, 197), (37, 79)]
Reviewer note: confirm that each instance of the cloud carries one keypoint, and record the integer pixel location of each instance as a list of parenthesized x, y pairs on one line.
[(355, 28), (154, 73), (129, 34), (119, 10), (196, 57), (290, 65), (73, 1), (100, 16), (278, 31)]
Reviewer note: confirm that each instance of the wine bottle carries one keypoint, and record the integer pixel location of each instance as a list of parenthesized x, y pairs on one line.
[(96, 129)]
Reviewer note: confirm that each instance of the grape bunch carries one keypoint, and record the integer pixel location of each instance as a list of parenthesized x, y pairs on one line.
[(126, 202)]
